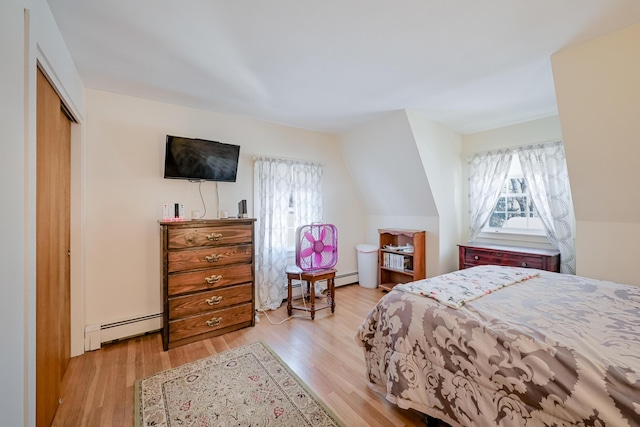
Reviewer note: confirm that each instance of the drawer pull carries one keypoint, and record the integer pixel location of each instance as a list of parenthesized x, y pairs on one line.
[(190, 238), (214, 300), (214, 236), (524, 264), (476, 257), (213, 258), (214, 322), (213, 279)]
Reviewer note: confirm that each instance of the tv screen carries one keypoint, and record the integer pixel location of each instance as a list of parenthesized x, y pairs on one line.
[(200, 160)]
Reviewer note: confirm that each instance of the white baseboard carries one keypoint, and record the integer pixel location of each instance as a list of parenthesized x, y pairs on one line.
[(347, 278), (95, 335)]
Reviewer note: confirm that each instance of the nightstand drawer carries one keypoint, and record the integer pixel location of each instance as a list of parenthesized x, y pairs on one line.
[(210, 300), (208, 236)]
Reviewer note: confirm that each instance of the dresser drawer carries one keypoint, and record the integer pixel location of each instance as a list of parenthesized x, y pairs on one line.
[(209, 257), (477, 257), (210, 300), (522, 260), (200, 280), (210, 321), (181, 238)]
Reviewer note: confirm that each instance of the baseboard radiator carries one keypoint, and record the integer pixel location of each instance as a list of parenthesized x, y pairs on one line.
[(96, 335), (340, 280)]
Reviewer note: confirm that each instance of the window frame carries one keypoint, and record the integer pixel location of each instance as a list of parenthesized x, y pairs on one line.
[(491, 232), (513, 235)]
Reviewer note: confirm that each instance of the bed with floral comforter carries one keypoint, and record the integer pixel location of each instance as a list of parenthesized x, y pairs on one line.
[(551, 350)]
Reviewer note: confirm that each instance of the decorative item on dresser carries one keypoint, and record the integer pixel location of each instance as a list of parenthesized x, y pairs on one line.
[(472, 254), (402, 257), (207, 278)]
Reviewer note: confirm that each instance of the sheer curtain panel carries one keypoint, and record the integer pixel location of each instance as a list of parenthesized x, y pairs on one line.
[(545, 169), (487, 173), (281, 185)]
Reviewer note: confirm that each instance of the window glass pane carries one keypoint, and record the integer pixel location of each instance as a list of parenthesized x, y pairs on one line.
[(514, 209)]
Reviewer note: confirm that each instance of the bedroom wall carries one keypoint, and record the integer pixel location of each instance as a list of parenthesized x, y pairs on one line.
[(385, 165), (440, 152), (125, 191), (16, 278), (28, 35), (598, 92)]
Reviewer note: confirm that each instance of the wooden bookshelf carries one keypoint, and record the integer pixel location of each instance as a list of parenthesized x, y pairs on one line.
[(402, 256)]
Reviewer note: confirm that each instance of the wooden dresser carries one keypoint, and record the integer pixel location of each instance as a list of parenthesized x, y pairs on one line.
[(473, 254), (208, 278)]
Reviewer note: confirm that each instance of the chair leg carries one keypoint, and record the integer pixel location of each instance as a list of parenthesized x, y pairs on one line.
[(332, 292), (289, 297), (313, 299)]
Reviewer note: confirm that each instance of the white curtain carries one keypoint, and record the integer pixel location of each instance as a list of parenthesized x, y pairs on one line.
[(545, 170), (306, 192), (487, 173), (277, 182)]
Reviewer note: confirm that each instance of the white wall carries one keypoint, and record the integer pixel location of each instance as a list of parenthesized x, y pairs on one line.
[(125, 190), (598, 92), (384, 162), (14, 224), (533, 132), (28, 35), (440, 152)]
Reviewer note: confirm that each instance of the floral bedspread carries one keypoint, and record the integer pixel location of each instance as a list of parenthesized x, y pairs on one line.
[(554, 350), (459, 287)]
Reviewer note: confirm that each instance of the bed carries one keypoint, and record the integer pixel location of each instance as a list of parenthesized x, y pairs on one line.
[(548, 350)]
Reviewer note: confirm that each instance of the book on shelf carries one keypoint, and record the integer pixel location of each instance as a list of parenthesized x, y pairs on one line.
[(395, 261)]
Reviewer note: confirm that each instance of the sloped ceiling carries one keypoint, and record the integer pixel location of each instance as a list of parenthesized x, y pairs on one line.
[(329, 66), (385, 164)]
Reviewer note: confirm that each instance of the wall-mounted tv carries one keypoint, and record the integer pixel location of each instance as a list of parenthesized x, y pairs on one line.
[(200, 159)]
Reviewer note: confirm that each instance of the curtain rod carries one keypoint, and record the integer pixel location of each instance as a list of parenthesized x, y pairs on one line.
[(255, 157), (515, 147)]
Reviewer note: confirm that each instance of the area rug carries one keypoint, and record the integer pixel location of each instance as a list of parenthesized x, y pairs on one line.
[(245, 386)]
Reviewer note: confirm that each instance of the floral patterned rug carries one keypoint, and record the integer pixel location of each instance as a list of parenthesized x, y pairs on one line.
[(245, 386)]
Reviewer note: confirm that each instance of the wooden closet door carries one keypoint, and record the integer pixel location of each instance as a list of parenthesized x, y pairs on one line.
[(53, 164)]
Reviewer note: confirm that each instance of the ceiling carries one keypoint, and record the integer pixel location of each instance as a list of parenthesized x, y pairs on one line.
[(331, 65)]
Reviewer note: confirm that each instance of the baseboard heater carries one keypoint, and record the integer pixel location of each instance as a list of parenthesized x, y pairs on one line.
[(340, 280), (95, 335)]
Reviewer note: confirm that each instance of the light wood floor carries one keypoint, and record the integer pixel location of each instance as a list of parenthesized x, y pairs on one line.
[(98, 388)]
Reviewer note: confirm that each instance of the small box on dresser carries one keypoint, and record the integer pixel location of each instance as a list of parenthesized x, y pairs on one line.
[(207, 279), (473, 254)]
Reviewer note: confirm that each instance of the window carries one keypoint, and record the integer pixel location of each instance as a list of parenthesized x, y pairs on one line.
[(503, 186), (514, 211)]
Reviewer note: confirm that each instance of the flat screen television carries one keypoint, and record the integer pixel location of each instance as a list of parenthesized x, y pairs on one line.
[(200, 160)]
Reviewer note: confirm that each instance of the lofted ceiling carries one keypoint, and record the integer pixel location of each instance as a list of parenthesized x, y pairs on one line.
[(331, 65)]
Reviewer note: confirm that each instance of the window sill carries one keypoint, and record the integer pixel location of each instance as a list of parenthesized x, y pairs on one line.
[(524, 238)]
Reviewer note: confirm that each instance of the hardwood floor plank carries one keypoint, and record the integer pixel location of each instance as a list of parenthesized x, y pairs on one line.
[(98, 388)]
